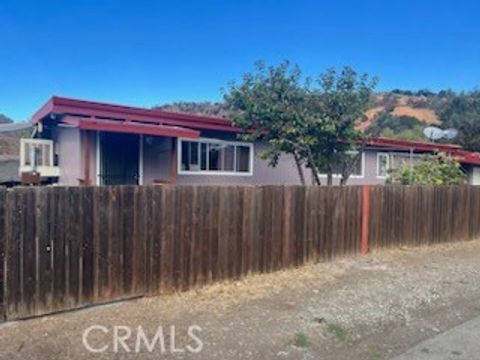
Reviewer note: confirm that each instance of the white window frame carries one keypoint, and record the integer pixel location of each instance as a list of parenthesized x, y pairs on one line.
[(23, 155), (379, 154), (44, 170), (352, 176), (215, 172)]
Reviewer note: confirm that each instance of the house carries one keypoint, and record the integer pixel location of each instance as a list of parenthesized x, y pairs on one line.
[(383, 154), (79, 142)]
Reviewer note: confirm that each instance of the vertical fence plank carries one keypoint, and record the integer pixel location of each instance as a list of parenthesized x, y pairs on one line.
[(88, 251), (43, 252), (12, 255), (3, 194)]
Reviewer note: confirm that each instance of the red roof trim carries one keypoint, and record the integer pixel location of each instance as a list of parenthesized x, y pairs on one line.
[(131, 127), (415, 145), (466, 157), (460, 155), (43, 111), (61, 105)]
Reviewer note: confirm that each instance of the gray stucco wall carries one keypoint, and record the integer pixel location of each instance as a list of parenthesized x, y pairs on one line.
[(285, 173), (68, 151), (157, 157), (369, 175), (157, 165)]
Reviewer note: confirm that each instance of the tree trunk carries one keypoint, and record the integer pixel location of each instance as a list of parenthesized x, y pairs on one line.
[(315, 176), (329, 178), (313, 167), (351, 165), (299, 168)]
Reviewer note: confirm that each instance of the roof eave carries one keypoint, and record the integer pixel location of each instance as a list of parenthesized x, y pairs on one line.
[(45, 110), (60, 105)]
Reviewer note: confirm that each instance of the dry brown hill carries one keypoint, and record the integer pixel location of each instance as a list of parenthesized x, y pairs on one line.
[(418, 107)]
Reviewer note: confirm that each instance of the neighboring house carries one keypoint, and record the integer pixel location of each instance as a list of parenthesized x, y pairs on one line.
[(9, 175), (84, 142)]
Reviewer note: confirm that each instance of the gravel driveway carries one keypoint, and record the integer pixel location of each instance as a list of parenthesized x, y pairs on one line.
[(366, 307)]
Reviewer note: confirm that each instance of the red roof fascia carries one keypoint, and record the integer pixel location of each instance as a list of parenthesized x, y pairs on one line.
[(466, 157), (46, 109), (415, 145), (460, 155), (131, 127), (119, 112)]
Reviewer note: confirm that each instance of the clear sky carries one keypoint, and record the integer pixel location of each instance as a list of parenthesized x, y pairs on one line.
[(145, 53)]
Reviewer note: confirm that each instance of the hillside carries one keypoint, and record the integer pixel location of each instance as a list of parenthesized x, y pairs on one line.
[(10, 141), (421, 108)]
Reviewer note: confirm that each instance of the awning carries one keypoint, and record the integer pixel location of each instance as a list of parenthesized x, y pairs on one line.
[(130, 127)]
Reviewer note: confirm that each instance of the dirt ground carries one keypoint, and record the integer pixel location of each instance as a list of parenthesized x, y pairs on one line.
[(367, 307)]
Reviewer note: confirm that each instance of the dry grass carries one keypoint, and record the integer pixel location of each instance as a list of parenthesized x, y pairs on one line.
[(425, 115)]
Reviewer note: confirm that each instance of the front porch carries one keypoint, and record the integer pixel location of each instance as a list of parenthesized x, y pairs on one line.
[(128, 159)]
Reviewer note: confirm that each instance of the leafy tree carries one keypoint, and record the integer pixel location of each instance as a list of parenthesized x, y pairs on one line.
[(462, 112), (272, 104), (436, 169), (312, 121), (340, 100)]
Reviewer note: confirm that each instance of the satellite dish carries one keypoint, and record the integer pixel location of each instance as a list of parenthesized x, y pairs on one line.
[(433, 133), (450, 133)]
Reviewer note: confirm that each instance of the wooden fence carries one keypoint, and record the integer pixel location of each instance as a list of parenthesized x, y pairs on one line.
[(65, 248)]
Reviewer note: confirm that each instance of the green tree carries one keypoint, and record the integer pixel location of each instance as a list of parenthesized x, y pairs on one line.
[(462, 112), (271, 103), (339, 101), (436, 169), (313, 121)]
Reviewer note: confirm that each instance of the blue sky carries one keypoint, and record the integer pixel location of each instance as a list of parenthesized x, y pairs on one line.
[(145, 53)]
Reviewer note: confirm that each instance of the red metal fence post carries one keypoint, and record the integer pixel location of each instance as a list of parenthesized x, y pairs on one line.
[(365, 218)]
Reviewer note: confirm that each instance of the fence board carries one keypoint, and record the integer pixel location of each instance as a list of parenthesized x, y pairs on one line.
[(2, 252)]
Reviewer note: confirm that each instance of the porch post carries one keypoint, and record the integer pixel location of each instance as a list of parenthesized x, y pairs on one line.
[(364, 246), (140, 159), (86, 159), (173, 162)]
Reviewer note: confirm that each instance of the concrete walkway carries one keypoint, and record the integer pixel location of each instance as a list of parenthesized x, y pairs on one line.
[(460, 343)]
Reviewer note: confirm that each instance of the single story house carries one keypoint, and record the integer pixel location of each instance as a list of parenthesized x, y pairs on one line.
[(79, 142)]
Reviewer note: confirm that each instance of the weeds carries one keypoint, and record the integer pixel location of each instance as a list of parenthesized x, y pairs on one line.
[(340, 333), (300, 340), (374, 355)]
